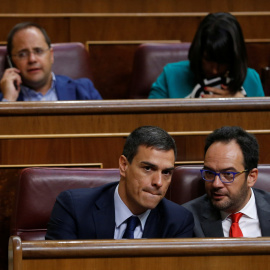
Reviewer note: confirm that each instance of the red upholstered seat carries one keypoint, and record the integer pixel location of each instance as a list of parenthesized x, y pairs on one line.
[(72, 59), (37, 190), (149, 60)]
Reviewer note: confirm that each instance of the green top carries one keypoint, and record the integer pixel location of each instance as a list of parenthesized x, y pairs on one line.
[(177, 81)]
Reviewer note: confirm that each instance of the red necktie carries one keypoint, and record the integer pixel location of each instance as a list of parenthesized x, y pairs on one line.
[(235, 230)]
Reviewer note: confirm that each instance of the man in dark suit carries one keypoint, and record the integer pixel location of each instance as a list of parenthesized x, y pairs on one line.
[(146, 167), (30, 77), (231, 207)]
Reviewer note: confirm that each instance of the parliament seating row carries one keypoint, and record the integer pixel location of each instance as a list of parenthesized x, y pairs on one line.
[(38, 188), (72, 59)]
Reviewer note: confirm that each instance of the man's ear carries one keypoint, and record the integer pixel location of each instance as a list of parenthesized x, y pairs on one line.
[(123, 165), (252, 177)]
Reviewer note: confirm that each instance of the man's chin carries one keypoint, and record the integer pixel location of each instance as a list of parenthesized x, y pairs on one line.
[(35, 83), (221, 205)]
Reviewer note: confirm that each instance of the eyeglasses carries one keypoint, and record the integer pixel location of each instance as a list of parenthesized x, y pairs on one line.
[(225, 177), (24, 54)]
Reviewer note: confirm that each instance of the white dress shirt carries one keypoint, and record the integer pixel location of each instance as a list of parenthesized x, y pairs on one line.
[(122, 213), (248, 223)]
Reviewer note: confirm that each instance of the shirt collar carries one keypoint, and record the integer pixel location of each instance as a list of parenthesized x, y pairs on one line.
[(122, 212)]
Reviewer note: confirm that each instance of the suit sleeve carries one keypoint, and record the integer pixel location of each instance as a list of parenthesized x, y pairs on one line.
[(62, 225), (187, 226), (178, 222)]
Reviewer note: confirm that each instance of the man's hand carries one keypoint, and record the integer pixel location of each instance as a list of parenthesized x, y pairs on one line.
[(224, 92), (10, 84)]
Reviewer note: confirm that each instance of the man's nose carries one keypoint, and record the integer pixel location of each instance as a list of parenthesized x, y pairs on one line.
[(157, 179), (32, 56), (217, 182)]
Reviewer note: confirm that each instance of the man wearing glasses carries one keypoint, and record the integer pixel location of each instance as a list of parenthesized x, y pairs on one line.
[(231, 207), (30, 77)]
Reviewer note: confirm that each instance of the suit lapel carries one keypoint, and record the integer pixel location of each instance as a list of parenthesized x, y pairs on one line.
[(263, 213), (64, 89), (152, 225), (104, 217), (212, 228), (211, 221)]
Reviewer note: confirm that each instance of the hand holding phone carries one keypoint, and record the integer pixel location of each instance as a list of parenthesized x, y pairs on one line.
[(9, 62), (11, 66), (10, 82)]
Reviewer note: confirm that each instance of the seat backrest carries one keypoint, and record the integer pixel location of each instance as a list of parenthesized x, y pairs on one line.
[(70, 59), (187, 183), (37, 190), (149, 60)]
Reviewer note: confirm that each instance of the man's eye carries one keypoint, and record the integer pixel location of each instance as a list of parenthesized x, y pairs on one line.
[(208, 173), (147, 168), (227, 175), (22, 54), (38, 51), (167, 172)]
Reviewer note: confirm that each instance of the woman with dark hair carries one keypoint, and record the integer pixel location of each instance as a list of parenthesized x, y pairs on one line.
[(217, 65)]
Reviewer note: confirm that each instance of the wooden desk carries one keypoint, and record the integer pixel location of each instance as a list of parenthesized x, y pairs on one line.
[(86, 133), (171, 254), (82, 133)]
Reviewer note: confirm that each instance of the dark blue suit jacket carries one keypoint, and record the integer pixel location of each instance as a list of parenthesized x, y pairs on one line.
[(89, 214), (69, 89)]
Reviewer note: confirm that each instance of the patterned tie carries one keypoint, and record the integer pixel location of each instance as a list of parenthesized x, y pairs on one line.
[(235, 230), (132, 223)]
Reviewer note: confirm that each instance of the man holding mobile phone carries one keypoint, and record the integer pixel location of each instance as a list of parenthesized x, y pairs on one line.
[(30, 76)]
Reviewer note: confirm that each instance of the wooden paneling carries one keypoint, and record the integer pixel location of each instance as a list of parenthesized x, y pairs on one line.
[(82, 6), (112, 67), (159, 254), (56, 27), (130, 26)]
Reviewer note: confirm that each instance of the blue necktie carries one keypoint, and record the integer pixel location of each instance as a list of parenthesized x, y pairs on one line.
[(132, 223)]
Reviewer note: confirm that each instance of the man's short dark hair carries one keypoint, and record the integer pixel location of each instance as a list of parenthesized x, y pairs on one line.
[(219, 39), (247, 142), (149, 136), (25, 25)]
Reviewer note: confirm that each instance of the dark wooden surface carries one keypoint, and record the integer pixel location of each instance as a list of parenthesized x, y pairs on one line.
[(192, 254), (82, 27), (115, 6)]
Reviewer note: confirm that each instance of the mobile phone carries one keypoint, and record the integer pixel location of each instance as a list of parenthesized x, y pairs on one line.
[(11, 66), (9, 62)]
